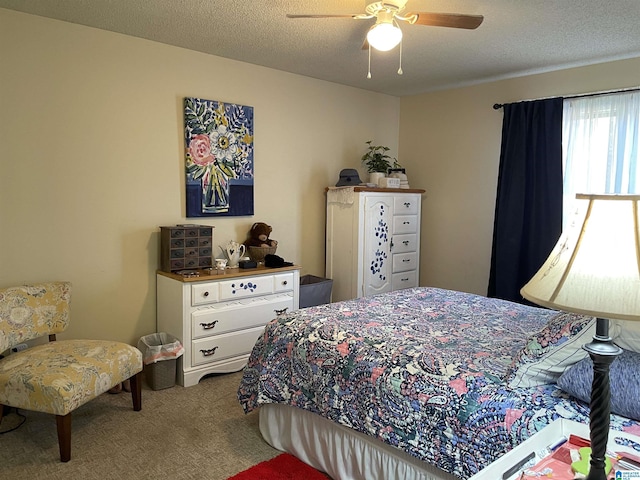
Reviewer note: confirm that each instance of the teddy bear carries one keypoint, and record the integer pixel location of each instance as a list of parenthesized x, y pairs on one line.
[(259, 236)]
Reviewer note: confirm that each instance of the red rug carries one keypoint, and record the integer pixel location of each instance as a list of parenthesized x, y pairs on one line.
[(282, 467)]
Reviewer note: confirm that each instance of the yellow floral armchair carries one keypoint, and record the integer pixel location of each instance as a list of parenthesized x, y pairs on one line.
[(59, 376)]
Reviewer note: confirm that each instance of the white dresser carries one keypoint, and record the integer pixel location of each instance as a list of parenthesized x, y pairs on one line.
[(372, 240), (218, 318)]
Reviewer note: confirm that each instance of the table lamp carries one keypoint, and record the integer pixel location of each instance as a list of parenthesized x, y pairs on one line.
[(594, 269)]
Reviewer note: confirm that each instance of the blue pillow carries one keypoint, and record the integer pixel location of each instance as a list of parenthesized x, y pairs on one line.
[(624, 378)]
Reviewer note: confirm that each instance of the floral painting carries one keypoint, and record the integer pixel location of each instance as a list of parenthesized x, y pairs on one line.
[(219, 158)]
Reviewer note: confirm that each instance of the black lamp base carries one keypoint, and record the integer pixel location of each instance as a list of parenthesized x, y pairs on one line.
[(602, 352)]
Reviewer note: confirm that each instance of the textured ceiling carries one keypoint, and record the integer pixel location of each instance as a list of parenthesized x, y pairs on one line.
[(517, 36)]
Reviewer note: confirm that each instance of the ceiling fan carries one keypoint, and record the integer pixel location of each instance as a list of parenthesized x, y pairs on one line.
[(385, 34)]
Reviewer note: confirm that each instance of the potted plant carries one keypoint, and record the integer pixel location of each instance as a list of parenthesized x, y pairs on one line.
[(377, 161)]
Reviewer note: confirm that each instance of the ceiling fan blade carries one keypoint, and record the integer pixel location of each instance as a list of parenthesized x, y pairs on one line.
[(352, 15), (453, 20)]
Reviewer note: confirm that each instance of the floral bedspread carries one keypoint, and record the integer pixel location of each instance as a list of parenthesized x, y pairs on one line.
[(421, 369)]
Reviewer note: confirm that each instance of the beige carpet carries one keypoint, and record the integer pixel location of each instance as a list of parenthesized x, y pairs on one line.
[(198, 432)]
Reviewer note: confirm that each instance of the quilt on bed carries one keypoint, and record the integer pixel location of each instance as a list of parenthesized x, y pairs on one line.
[(422, 369)]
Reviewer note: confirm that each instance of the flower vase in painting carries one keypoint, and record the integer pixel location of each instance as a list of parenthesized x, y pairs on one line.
[(219, 158)]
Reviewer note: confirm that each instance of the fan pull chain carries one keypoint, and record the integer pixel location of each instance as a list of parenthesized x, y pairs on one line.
[(369, 71), (400, 72)]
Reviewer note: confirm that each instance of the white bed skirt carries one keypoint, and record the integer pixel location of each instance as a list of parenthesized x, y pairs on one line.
[(342, 453)]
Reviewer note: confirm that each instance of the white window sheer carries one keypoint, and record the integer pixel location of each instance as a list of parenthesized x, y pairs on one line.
[(601, 144)]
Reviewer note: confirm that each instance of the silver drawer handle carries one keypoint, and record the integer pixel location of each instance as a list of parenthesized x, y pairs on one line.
[(406, 223), (208, 353), (407, 204), (404, 279), (208, 326), (406, 242), (206, 294), (281, 312), (285, 282), (406, 260)]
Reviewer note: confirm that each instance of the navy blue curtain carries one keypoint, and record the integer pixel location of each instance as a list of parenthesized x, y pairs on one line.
[(528, 215)]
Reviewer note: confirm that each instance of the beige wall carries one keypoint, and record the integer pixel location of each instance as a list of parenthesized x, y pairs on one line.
[(450, 145), (91, 160)]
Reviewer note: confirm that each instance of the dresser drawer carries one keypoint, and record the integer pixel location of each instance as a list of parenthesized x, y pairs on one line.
[(238, 314), (283, 282), (404, 262), (405, 224), (404, 280), (242, 287), (239, 287), (405, 243), (203, 293), (405, 205), (219, 347)]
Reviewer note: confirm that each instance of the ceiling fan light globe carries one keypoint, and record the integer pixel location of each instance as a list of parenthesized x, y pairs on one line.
[(384, 36)]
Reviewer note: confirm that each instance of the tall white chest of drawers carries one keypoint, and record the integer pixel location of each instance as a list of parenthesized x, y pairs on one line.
[(218, 318), (372, 240)]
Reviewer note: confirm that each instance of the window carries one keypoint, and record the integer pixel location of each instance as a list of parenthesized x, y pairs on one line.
[(601, 143)]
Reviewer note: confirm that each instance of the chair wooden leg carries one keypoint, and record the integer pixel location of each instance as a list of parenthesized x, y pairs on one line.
[(136, 391), (64, 436)]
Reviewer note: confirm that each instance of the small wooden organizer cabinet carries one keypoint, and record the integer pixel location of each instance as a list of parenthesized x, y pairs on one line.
[(218, 318), (186, 247)]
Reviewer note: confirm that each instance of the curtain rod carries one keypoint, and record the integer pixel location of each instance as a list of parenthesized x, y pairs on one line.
[(498, 106)]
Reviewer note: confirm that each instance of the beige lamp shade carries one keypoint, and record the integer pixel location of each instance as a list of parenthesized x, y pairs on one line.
[(594, 269)]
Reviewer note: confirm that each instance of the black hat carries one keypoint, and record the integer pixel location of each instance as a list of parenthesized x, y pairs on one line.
[(348, 177)]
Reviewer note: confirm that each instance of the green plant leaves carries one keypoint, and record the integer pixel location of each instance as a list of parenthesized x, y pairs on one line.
[(377, 160)]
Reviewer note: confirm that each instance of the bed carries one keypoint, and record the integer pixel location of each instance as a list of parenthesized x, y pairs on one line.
[(417, 383)]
